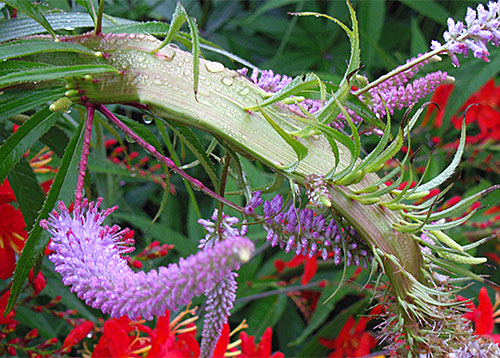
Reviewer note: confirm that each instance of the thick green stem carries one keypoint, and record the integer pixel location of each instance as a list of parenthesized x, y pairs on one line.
[(163, 83)]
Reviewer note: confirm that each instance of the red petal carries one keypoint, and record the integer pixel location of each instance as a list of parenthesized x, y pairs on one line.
[(484, 314), (7, 262), (77, 334), (222, 343), (310, 269)]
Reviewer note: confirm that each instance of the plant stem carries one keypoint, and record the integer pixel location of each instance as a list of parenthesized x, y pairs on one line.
[(85, 154), (197, 185), (398, 70), (98, 25)]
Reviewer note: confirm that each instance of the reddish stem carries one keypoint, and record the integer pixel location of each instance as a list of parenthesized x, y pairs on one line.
[(85, 154), (197, 185)]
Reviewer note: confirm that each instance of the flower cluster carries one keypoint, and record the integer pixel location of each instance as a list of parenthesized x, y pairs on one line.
[(395, 93), (399, 94), (481, 26), (88, 257), (309, 234)]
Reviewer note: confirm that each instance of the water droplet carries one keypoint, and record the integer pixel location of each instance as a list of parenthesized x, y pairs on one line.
[(214, 67), (147, 119), (244, 91), (128, 139), (228, 80)]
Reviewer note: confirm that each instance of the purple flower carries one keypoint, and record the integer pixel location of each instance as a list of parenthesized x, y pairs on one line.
[(308, 233), (220, 301), (481, 26), (398, 95), (87, 254)]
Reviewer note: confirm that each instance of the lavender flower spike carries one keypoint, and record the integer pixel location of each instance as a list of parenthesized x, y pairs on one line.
[(481, 26), (220, 301), (87, 254)]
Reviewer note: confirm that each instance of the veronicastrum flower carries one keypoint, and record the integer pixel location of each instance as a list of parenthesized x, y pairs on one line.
[(87, 254)]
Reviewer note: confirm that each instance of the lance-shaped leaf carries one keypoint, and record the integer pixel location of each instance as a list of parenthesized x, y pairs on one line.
[(192, 142), (32, 11), (448, 172), (52, 73), (28, 47), (298, 84), (62, 189), (29, 195), (179, 17), (28, 134), (297, 147), (22, 102)]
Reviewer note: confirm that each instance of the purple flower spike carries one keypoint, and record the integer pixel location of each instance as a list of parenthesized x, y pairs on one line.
[(481, 26), (87, 254), (220, 301)]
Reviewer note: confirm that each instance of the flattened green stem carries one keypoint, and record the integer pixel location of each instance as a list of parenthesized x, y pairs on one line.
[(163, 82)]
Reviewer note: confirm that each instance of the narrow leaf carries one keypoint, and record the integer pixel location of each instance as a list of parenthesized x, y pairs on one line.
[(32, 11), (298, 84), (62, 189), (297, 147), (53, 73), (25, 101), (28, 134), (29, 195), (448, 172), (32, 46)]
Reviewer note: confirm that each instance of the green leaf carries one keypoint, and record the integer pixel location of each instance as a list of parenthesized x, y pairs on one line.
[(23, 26), (266, 312), (29, 195), (298, 84), (372, 17), (193, 143), (90, 6), (299, 148), (448, 172), (18, 143), (418, 43), (32, 11), (429, 8), (62, 189), (56, 139), (32, 46), (53, 73), (323, 310), (25, 101), (18, 66)]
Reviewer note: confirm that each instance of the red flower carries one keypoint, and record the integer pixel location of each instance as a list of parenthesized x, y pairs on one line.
[(6, 193), (262, 350), (8, 320), (440, 97), (39, 282), (352, 341), (166, 343), (76, 335), (12, 236), (486, 112), (483, 315), (310, 267), (116, 341)]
